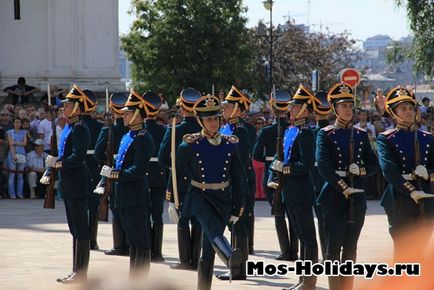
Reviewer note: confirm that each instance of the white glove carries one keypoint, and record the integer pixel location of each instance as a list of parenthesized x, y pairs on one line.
[(421, 172), (417, 195), (354, 169), (350, 190), (51, 161), (106, 171), (233, 219), (173, 213), (99, 190), (45, 180), (277, 165)]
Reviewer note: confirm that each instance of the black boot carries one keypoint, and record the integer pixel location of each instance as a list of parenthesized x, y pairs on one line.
[(347, 282), (74, 249), (196, 246), (184, 249), (93, 233), (118, 240), (282, 237), (293, 243), (251, 234), (309, 282), (81, 263), (142, 262), (230, 257), (238, 271), (204, 271), (133, 251), (334, 281), (157, 243)]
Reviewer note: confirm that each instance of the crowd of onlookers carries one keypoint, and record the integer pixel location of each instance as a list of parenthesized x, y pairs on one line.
[(26, 129)]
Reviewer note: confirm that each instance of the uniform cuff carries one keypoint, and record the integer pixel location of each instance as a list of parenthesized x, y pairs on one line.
[(431, 177), (58, 165), (114, 174), (237, 212), (168, 195), (286, 170), (342, 185), (408, 187), (362, 171)]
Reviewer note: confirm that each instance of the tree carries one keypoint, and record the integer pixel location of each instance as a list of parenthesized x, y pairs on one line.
[(296, 53), (421, 16), (174, 44)]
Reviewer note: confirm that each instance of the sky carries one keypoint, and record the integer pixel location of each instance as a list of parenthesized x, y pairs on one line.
[(361, 18)]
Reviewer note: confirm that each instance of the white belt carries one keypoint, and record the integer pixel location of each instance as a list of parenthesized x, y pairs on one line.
[(210, 186), (408, 176), (153, 159), (90, 152), (269, 158), (342, 173)]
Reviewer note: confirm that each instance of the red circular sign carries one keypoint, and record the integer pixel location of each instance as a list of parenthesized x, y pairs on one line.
[(350, 76)]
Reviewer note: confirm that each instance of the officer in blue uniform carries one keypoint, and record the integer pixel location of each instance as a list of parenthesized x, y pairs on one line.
[(157, 178), (407, 198), (342, 197), (321, 111), (214, 197), (118, 130), (264, 151), (298, 191), (188, 242), (132, 198), (234, 105), (94, 199), (74, 178)]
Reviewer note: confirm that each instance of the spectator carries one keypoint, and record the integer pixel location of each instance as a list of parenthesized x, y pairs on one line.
[(61, 122), (45, 131), (3, 154), (36, 167), (39, 115), (26, 128), (380, 102), (425, 108), (20, 92), (366, 100), (364, 124), (258, 166), (22, 114), (5, 122), (16, 160), (164, 104)]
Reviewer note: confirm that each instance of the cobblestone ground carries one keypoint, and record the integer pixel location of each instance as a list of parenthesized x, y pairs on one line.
[(35, 249)]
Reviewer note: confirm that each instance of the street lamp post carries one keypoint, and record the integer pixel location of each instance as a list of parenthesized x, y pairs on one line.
[(269, 6)]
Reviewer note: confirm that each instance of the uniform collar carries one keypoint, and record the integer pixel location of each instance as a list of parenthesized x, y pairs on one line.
[(216, 140), (339, 123), (299, 122), (73, 120), (235, 120), (136, 127), (404, 127)]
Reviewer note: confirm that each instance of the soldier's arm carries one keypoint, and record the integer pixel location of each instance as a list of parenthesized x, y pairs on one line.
[(81, 140), (184, 156), (100, 146), (259, 148), (243, 145), (306, 142), (164, 152), (325, 164), (391, 169), (238, 183), (370, 166), (143, 149)]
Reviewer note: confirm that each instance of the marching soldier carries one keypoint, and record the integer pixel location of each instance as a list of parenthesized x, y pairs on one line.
[(214, 197), (74, 178), (344, 156), (298, 192), (94, 199), (118, 130), (131, 195), (321, 111), (264, 151), (407, 160), (188, 242), (234, 105), (157, 179)]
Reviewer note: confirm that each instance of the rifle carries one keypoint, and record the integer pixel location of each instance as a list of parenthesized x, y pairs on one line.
[(104, 204), (49, 201), (418, 180), (350, 218), (277, 208)]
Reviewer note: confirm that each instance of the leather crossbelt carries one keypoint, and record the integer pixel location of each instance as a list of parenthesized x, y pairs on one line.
[(210, 186)]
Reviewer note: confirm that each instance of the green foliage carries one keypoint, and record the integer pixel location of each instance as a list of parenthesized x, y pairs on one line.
[(174, 44)]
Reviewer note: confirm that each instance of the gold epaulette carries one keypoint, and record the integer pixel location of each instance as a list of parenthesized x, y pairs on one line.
[(191, 138), (231, 138), (389, 132), (142, 132), (328, 128)]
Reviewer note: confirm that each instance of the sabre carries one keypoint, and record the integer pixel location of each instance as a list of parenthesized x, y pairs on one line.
[(173, 163)]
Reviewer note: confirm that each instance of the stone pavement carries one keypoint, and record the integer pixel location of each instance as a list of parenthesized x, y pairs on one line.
[(35, 249)]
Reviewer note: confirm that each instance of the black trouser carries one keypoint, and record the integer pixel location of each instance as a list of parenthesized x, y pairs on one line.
[(135, 221), (77, 216), (156, 211)]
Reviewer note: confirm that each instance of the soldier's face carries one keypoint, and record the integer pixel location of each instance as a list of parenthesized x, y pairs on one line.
[(228, 109), (345, 111), (67, 109), (128, 115), (405, 111), (294, 110), (211, 124)]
